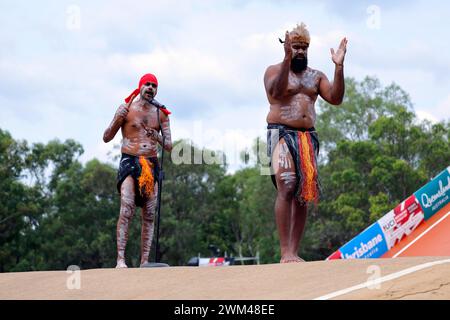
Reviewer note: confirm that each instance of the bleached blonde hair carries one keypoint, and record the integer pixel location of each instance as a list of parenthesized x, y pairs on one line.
[(300, 34)]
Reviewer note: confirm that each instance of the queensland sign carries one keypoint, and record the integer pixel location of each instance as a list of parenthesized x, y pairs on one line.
[(435, 194)]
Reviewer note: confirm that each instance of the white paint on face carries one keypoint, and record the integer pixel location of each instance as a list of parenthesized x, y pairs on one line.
[(148, 90)]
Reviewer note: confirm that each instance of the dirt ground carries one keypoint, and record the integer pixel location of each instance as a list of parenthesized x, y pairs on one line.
[(310, 280)]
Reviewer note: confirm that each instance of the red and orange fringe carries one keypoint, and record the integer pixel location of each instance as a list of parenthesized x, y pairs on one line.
[(146, 179), (308, 168)]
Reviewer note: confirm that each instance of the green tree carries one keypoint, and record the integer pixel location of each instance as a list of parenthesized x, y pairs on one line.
[(188, 204), (377, 153)]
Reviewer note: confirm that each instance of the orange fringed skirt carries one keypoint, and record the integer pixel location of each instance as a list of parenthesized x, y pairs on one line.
[(304, 147), (145, 173), (146, 180), (309, 188)]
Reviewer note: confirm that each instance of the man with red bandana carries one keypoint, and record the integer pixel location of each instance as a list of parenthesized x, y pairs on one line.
[(139, 167)]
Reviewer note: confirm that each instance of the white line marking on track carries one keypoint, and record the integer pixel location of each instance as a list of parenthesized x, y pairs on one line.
[(421, 235), (375, 282)]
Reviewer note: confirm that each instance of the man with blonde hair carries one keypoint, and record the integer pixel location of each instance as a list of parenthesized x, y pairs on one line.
[(292, 88)]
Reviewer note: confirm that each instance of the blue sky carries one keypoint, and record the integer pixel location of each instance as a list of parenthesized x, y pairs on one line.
[(67, 65)]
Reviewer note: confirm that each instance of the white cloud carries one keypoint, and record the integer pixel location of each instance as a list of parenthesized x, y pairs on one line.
[(209, 57), (424, 115)]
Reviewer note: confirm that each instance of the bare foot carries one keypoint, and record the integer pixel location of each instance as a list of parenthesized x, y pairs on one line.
[(142, 263), (291, 258), (121, 264), (288, 258)]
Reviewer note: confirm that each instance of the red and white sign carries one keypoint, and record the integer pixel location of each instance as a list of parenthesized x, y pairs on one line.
[(336, 255), (213, 262), (401, 221)]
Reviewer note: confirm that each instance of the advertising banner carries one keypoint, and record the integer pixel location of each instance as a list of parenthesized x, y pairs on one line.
[(336, 255), (369, 244), (213, 262), (435, 194), (401, 221)]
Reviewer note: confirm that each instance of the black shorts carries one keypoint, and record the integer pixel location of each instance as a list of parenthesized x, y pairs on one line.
[(129, 165)]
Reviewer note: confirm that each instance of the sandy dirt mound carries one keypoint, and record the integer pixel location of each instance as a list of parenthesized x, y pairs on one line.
[(273, 281)]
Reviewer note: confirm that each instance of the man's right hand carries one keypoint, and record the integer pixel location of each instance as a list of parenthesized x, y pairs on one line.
[(124, 108), (287, 46)]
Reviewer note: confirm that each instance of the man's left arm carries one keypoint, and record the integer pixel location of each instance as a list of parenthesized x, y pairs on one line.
[(334, 93), (165, 128)]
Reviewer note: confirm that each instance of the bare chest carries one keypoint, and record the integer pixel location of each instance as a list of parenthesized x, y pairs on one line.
[(139, 116), (307, 83)]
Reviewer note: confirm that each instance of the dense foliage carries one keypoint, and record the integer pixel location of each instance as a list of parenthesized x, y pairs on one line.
[(58, 212)]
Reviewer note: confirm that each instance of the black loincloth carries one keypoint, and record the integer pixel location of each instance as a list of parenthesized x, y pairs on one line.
[(129, 165), (291, 137)]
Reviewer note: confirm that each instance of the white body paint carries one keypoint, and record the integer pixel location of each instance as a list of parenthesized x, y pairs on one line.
[(288, 177), (283, 160)]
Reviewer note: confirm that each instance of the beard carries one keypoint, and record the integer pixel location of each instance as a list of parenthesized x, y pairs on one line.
[(147, 95), (299, 65)]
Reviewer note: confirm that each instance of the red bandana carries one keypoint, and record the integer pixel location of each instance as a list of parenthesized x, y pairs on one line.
[(146, 78)]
